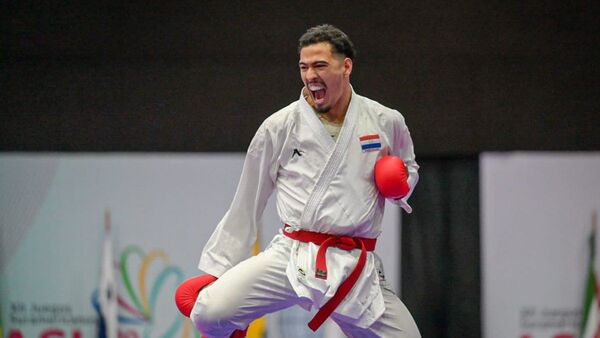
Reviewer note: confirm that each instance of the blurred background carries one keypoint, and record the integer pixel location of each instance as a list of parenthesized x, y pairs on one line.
[(89, 87)]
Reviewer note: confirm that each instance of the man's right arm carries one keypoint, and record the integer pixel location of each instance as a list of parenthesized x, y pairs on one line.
[(232, 240)]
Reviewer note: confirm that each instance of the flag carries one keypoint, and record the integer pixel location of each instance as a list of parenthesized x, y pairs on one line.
[(107, 293), (370, 142), (590, 315)]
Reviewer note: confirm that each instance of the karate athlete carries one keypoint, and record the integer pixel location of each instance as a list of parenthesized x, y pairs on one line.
[(318, 154)]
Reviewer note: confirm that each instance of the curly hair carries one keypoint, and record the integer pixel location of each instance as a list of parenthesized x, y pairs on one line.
[(339, 41)]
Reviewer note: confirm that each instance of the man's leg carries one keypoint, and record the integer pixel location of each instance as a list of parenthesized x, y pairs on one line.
[(256, 286), (396, 321)]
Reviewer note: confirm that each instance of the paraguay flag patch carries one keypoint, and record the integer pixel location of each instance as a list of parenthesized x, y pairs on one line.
[(370, 142)]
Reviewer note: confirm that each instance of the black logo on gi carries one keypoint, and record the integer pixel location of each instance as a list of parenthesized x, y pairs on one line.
[(297, 152)]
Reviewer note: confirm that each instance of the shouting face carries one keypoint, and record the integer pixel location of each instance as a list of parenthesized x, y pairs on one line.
[(326, 76)]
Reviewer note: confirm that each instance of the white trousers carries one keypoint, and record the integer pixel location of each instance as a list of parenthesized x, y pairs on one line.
[(259, 285)]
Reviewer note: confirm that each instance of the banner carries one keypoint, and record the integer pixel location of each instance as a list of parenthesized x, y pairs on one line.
[(537, 213), (163, 208)]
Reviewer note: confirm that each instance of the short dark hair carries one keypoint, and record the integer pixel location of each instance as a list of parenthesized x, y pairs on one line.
[(339, 41)]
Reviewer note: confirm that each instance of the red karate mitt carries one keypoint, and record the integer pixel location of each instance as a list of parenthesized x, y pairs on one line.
[(187, 292), (391, 177)]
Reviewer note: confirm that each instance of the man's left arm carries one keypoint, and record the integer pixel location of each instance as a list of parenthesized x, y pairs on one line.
[(403, 147)]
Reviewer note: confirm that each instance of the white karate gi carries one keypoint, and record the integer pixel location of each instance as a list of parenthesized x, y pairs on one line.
[(322, 186)]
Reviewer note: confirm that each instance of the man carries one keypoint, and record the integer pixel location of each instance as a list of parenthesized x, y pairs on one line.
[(319, 154)]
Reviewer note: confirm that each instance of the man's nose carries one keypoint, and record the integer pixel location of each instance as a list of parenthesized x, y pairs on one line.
[(311, 73)]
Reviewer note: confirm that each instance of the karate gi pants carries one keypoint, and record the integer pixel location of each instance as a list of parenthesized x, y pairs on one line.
[(260, 285)]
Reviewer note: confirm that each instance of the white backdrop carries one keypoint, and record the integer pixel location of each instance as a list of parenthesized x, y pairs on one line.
[(163, 209), (536, 218)]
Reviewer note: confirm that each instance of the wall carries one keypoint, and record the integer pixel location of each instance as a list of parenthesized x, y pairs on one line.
[(178, 76)]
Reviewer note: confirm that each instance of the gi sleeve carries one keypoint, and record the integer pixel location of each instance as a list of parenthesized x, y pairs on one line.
[(232, 240), (403, 148)]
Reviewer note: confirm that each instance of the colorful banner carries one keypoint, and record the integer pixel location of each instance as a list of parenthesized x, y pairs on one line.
[(537, 213), (163, 209)]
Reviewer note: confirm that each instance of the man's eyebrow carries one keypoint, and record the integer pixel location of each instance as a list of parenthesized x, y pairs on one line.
[(314, 62)]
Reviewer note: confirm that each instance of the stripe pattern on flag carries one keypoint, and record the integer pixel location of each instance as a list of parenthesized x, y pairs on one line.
[(370, 142)]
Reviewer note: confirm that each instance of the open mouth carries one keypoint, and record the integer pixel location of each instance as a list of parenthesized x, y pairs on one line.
[(317, 90)]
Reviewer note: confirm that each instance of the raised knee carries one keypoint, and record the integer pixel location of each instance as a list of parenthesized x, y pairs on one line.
[(208, 314)]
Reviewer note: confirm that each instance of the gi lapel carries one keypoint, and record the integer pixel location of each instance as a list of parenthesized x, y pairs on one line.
[(335, 158), (309, 115)]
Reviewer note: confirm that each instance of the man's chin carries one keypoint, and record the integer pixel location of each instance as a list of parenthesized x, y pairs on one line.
[(322, 110)]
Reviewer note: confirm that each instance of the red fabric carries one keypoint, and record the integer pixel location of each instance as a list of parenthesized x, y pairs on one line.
[(187, 292), (342, 242), (239, 333), (391, 177), (368, 137)]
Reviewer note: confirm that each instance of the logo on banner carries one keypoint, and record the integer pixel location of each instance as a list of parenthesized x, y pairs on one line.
[(549, 322), (146, 278)]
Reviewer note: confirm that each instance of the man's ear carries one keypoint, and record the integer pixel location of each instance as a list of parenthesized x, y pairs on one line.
[(347, 66)]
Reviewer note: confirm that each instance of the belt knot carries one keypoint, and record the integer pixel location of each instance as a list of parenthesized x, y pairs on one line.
[(343, 242)]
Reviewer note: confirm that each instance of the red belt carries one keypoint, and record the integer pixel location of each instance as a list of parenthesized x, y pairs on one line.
[(341, 242)]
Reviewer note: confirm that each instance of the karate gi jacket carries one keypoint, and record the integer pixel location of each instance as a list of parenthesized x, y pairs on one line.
[(323, 186)]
